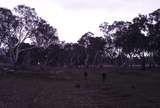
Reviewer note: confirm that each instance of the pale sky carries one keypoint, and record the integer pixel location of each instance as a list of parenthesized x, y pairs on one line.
[(73, 18)]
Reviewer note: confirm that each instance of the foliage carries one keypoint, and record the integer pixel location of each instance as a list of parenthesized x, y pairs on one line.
[(27, 38)]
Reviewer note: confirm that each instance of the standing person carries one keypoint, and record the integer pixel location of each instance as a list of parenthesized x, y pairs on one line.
[(103, 77), (85, 75)]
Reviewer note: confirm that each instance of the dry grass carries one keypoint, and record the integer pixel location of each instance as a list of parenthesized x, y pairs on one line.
[(67, 88)]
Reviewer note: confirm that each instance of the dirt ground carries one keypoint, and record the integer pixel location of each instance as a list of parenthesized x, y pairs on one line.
[(67, 88)]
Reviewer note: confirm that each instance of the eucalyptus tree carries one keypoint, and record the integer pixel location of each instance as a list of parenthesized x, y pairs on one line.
[(8, 24), (113, 34), (84, 42), (94, 48), (154, 34), (132, 39), (21, 26)]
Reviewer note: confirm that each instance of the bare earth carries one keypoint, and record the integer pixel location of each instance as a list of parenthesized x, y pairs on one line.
[(69, 89)]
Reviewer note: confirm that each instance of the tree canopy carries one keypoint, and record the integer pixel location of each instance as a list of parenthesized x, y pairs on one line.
[(25, 35)]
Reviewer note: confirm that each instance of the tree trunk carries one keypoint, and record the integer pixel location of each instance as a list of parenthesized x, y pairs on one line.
[(143, 62), (86, 60), (95, 59), (151, 61), (130, 61)]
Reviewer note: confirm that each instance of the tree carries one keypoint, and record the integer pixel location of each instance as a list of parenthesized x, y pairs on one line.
[(54, 55), (24, 26), (84, 42), (44, 35), (8, 24), (79, 54), (154, 34), (94, 48), (132, 39), (127, 38), (113, 33)]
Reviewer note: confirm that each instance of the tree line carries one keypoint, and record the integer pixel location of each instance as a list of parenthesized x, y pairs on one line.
[(26, 38)]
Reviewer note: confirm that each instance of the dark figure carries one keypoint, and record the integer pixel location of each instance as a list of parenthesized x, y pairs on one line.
[(77, 85), (133, 86), (85, 75), (103, 77)]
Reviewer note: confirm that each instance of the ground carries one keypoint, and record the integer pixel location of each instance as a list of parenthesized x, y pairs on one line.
[(67, 88)]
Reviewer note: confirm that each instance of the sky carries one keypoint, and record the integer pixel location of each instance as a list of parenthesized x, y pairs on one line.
[(73, 18)]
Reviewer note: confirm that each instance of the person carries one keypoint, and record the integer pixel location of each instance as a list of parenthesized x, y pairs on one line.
[(103, 77), (85, 75)]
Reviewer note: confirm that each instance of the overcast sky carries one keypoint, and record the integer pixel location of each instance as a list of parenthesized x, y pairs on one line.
[(73, 18)]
